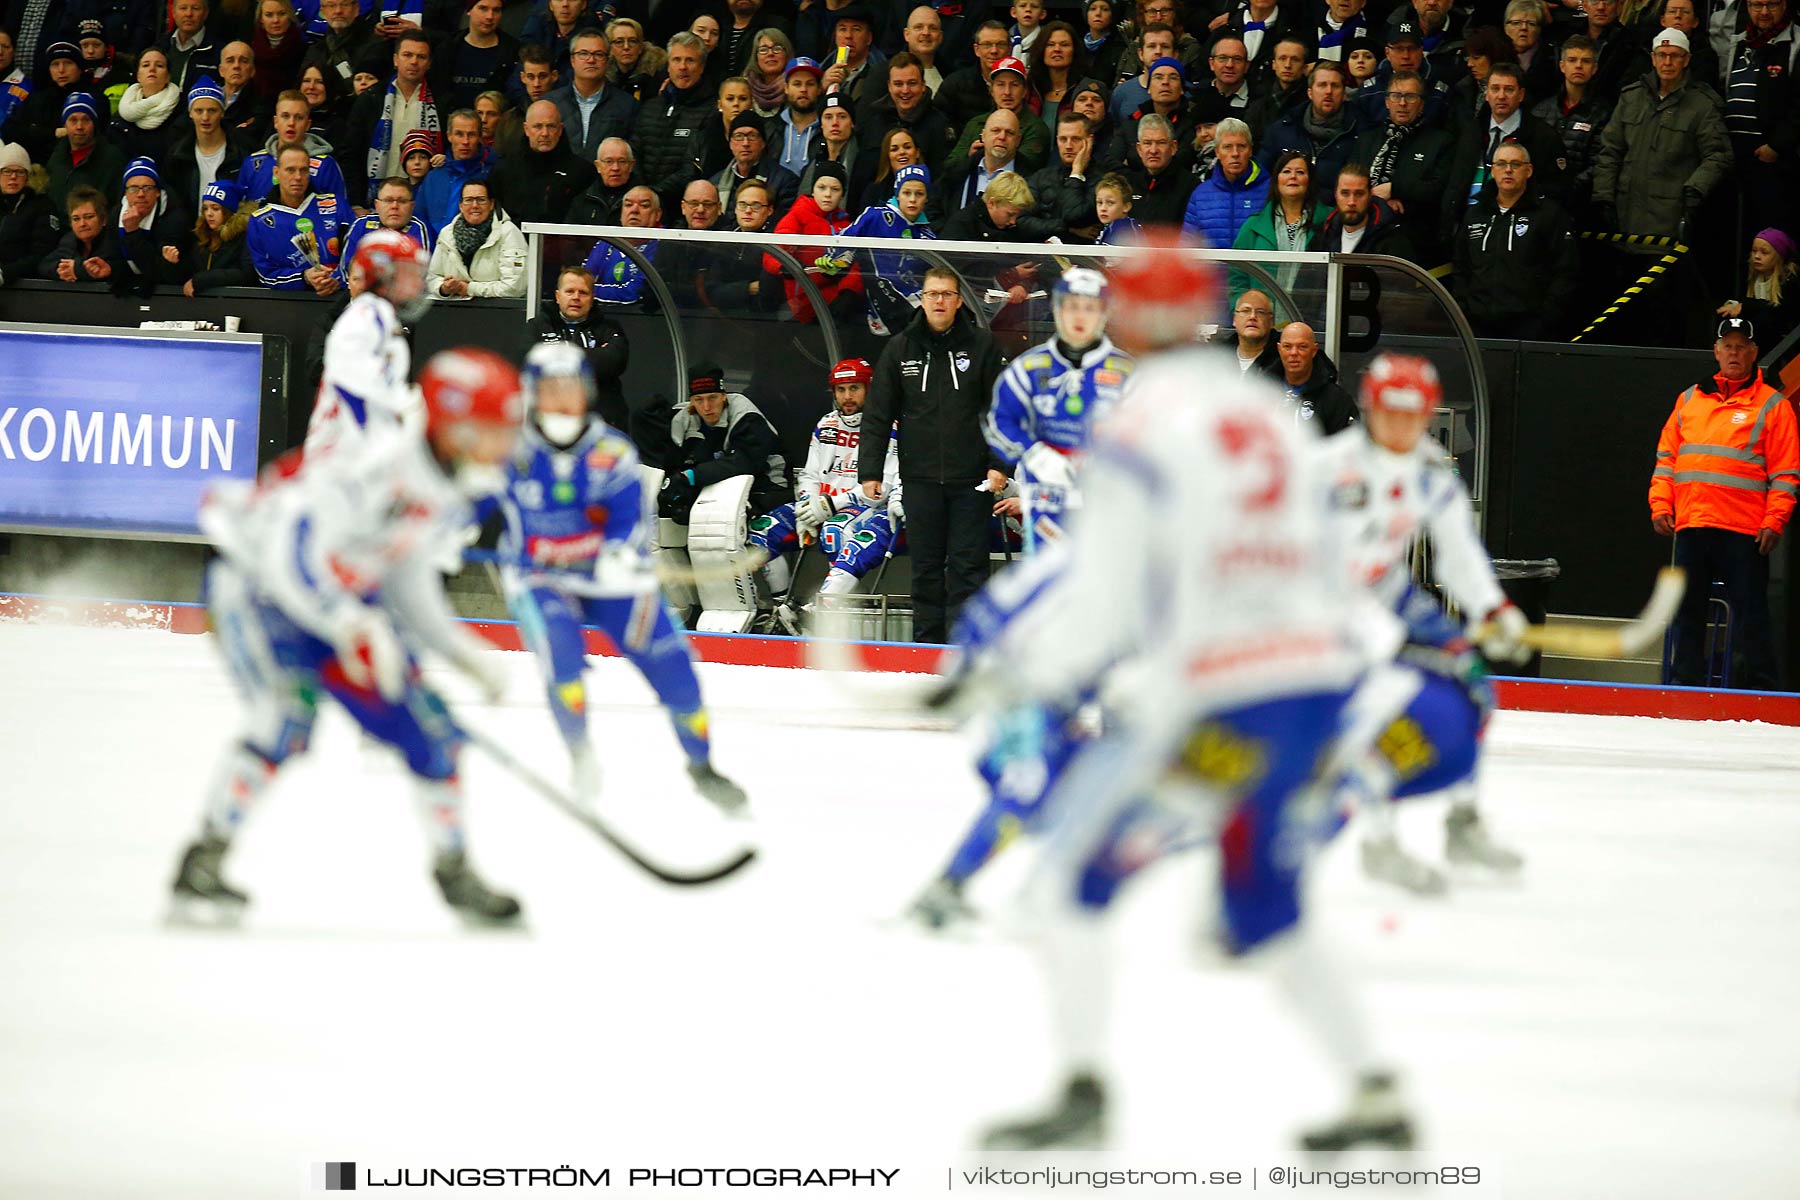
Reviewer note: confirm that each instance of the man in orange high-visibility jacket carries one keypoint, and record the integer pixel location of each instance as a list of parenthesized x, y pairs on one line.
[(1727, 472)]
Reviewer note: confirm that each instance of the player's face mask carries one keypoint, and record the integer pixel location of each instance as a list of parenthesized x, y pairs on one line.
[(560, 429)]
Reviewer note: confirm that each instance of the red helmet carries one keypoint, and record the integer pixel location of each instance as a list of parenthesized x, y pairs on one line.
[(393, 266), (470, 386), (1401, 383), (1159, 298), (852, 370)]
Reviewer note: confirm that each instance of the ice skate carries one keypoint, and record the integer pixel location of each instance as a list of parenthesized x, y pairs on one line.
[(1078, 1122), (1376, 1117), (941, 905), (728, 796), (1466, 843), (584, 776), (1384, 859), (787, 618), (471, 898), (201, 894)]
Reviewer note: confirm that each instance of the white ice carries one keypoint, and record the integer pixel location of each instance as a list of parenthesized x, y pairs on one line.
[(1623, 1023)]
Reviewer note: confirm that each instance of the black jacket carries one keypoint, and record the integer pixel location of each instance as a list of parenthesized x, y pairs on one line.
[(34, 122), (667, 137), (1516, 270), (540, 185), (1321, 398), (1548, 164), (742, 443), (608, 352), (938, 386), (964, 96), (1161, 200), (930, 126), (26, 235), (1289, 132), (600, 204), (1063, 203), (1580, 129), (352, 153), (1419, 174), (181, 170), (142, 249), (228, 266), (1385, 234)]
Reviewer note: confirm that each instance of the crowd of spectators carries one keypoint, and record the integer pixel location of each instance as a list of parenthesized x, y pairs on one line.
[(1479, 136)]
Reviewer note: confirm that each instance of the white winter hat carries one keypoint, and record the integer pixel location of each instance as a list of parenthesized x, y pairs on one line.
[(1672, 37), (13, 155)]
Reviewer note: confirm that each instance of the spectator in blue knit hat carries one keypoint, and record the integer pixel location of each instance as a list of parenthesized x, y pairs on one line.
[(220, 254), (206, 152), (151, 230), (83, 157)]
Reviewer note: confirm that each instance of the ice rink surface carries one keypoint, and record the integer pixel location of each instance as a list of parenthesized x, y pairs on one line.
[(1624, 1023)]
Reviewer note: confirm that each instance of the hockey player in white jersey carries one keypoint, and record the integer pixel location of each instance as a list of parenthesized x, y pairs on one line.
[(328, 582), (1421, 733), (367, 361), (830, 509), (1240, 642), (1047, 400)]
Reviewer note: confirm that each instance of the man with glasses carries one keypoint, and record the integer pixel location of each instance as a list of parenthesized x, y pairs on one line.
[(1409, 163), (617, 279), (1516, 267), (1505, 121), (1252, 321), (26, 234), (701, 207), (751, 159), (394, 209), (348, 33), (541, 180), (732, 280), (1579, 118), (618, 174), (1665, 149), (936, 378), (151, 231), (1405, 52), (591, 111), (965, 95)]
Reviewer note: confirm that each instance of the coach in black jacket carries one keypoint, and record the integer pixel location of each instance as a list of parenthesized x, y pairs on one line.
[(573, 319), (936, 378)]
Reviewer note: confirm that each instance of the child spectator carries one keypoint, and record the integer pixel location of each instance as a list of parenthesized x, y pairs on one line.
[(819, 213), (220, 257), (1769, 301), (1112, 204)]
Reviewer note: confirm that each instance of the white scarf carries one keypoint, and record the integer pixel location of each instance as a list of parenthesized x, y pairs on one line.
[(148, 112)]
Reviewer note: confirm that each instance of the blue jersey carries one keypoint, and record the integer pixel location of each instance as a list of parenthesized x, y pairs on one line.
[(1044, 397), (257, 175), (282, 251), (575, 517), (617, 280), (415, 229), (884, 221), (12, 95)]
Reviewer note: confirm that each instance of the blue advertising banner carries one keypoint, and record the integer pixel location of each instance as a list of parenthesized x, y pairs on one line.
[(122, 433)]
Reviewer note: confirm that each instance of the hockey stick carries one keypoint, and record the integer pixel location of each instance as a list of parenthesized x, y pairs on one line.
[(1625, 641), (560, 800)]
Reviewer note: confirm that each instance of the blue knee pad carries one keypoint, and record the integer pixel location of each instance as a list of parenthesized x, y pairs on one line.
[(775, 531), (832, 535), (862, 542)]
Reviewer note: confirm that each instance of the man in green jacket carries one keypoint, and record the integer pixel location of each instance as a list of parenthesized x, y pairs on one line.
[(1665, 149)]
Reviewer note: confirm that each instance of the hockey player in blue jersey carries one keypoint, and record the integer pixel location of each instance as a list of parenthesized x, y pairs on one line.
[(1048, 398), (1027, 744), (576, 552), (854, 532)]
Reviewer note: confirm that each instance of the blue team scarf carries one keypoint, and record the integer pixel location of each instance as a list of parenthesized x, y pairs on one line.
[(384, 128)]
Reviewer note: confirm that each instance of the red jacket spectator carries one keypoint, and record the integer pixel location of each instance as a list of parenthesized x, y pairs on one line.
[(805, 217)]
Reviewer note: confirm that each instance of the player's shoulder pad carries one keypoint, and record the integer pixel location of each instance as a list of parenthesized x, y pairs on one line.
[(1118, 362), (1035, 360), (607, 452)]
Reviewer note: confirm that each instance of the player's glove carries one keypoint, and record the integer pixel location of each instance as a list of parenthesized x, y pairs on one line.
[(1046, 466), (820, 509), (676, 495), (896, 514), (370, 653), (1505, 640)]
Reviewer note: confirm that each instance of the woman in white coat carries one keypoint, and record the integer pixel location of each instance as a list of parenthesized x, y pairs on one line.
[(480, 253)]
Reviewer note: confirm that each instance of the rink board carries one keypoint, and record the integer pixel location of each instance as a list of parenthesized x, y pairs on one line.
[(748, 650)]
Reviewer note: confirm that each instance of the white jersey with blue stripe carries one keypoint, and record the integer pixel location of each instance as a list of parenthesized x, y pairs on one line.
[(367, 364)]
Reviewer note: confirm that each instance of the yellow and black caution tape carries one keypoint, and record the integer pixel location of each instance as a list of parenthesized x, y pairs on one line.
[(1644, 282)]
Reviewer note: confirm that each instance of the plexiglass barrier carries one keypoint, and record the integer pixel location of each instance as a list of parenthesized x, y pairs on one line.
[(774, 312)]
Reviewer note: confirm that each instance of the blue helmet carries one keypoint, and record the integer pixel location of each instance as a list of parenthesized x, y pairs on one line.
[(1079, 281), (556, 360)]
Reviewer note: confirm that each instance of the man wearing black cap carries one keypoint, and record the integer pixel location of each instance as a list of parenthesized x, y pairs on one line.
[(1727, 472), (853, 36), (1168, 100), (840, 142), (35, 121), (1409, 163), (1440, 31), (1405, 51), (750, 159), (718, 435)]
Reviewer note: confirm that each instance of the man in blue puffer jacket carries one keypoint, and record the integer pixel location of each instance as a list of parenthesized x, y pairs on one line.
[(1234, 191)]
